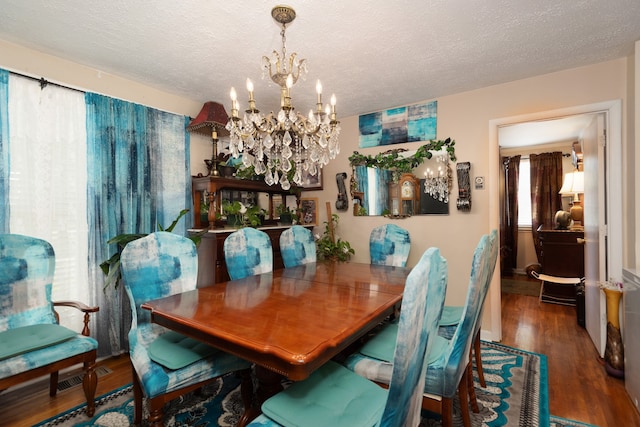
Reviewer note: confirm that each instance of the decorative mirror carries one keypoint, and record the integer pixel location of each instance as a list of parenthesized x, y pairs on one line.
[(388, 184)]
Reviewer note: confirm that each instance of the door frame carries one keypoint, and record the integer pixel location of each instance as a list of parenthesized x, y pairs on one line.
[(613, 114)]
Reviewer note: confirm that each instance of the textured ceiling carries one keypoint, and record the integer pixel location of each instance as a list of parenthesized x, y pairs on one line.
[(373, 55)]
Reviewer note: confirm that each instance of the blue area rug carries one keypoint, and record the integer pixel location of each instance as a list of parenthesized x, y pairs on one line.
[(516, 395)]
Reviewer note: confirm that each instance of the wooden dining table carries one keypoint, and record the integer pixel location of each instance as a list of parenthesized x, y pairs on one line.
[(288, 322)]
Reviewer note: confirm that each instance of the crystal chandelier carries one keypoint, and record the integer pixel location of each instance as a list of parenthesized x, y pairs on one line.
[(437, 184), (287, 143)]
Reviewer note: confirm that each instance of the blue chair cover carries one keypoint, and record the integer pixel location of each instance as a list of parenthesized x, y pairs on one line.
[(297, 246), (334, 396), (27, 266), (155, 266), (248, 252), (389, 244), (445, 370)]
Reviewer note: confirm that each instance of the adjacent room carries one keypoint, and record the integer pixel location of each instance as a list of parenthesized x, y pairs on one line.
[(212, 209)]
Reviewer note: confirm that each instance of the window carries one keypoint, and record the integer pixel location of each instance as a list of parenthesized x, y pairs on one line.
[(524, 194)]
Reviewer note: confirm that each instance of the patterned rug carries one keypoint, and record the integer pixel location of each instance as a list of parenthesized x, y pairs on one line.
[(516, 395)]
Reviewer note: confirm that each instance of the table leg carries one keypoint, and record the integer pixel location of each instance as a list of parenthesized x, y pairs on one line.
[(269, 383)]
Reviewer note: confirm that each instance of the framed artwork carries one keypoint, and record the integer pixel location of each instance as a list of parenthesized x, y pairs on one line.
[(398, 125), (312, 182), (309, 211)]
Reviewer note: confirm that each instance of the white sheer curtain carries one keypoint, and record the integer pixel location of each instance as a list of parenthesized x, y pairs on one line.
[(48, 194)]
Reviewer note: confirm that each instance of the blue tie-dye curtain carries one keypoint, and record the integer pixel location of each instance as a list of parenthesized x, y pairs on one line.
[(4, 151), (138, 177)]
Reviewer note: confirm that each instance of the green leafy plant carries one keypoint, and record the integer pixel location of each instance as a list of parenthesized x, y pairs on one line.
[(392, 160), (255, 216), (111, 267), (329, 247)]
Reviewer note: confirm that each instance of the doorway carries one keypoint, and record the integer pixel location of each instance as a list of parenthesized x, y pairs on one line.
[(612, 111)]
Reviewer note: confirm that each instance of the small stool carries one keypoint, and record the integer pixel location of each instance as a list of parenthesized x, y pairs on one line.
[(573, 281)]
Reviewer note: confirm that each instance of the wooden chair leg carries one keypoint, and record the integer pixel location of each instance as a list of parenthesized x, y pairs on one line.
[(53, 383), (463, 391), (137, 397), (156, 414), (447, 412), (89, 385), (478, 356), (472, 389)]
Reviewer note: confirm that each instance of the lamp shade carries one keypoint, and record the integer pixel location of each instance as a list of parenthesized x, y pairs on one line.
[(212, 116), (573, 183)]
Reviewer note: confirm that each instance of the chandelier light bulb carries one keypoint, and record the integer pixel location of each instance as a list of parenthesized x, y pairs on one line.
[(250, 87)]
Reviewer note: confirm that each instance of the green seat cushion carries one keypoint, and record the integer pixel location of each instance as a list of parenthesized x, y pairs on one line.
[(333, 396), (175, 351), (451, 315), (33, 337), (383, 345)]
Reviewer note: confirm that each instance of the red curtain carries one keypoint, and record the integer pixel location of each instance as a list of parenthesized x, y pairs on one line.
[(546, 181), (509, 215)]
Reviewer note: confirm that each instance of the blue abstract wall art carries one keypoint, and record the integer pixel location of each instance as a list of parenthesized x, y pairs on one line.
[(399, 125)]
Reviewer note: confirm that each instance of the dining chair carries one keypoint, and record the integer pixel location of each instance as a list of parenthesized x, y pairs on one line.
[(32, 342), (297, 246), (452, 315), (166, 364), (248, 252), (448, 362), (389, 244), (337, 397)]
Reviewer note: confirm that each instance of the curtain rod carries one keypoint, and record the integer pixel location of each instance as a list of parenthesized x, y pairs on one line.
[(527, 156), (44, 82)]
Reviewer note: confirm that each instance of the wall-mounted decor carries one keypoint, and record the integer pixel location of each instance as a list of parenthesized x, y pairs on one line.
[(309, 211), (464, 187), (371, 175), (398, 125), (342, 202), (312, 182)]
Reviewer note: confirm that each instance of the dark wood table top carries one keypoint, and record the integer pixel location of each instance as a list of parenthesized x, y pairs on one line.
[(290, 321)]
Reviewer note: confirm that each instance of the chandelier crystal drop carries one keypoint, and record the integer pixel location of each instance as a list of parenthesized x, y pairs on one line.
[(286, 146), (437, 184)]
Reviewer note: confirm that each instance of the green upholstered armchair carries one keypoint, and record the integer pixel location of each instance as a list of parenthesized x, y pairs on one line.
[(32, 343)]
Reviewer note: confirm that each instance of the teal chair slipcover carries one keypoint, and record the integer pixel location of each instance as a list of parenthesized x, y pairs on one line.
[(448, 363), (451, 315), (389, 244), (336, 397), (297, 246), (248, 252), (32, 343), (166, 364)]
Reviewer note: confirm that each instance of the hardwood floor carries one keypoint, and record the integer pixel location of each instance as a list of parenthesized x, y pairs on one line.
[(579, 387)]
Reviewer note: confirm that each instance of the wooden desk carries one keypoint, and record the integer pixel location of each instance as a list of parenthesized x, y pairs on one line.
[(291, 321)]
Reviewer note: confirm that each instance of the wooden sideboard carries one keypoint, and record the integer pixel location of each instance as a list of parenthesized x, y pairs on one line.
[(210, 190), (211, 264), (562, 256)]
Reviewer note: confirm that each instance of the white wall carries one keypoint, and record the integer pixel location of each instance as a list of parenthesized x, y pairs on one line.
[(464, 117)]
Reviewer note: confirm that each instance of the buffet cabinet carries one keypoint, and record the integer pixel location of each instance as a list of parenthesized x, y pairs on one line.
[(208, 195)]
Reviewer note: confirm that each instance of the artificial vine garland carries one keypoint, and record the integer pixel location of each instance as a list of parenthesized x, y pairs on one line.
[(391, 159)]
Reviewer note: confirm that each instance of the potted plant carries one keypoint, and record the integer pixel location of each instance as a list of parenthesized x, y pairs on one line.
[(235, 213), (255, 216), (285, 213), (332, 248)]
